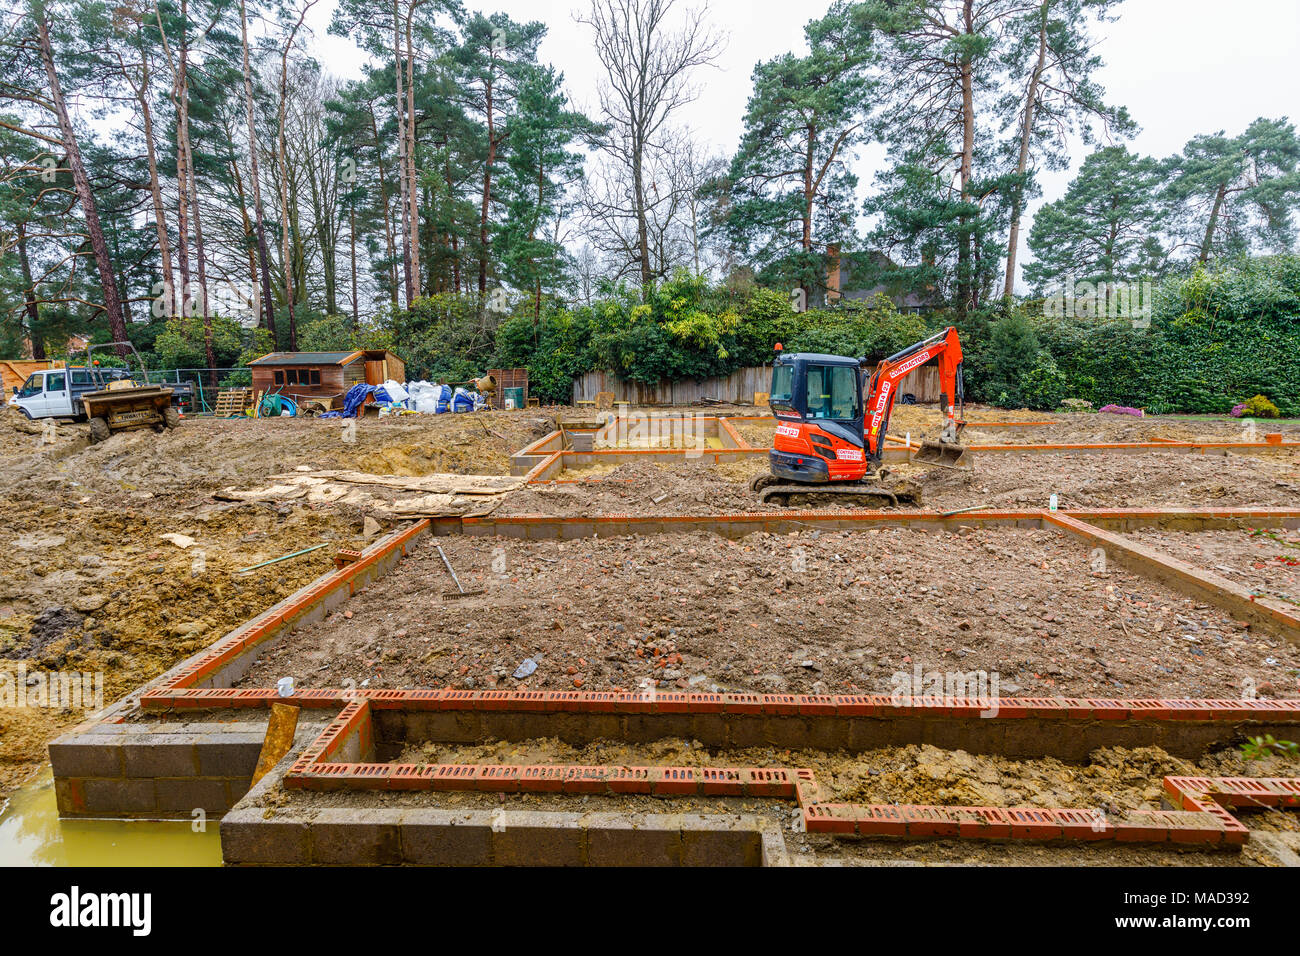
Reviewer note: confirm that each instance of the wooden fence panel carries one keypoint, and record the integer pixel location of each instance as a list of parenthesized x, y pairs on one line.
[(737, 388)]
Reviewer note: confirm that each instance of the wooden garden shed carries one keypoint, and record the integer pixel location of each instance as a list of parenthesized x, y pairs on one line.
[(13, 372), (324, 377)]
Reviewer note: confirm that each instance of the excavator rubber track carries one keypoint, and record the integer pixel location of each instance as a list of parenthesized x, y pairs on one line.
[(860, 494)]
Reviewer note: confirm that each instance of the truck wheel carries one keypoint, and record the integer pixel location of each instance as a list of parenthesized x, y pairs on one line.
[(98, 430), (171, 417), (26, 413)]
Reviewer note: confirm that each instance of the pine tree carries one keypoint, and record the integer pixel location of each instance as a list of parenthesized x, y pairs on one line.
[(494, 59), (1051, 53), (1237, 192), (791, 191), (1105, 227), (938, 65), (541, 166)]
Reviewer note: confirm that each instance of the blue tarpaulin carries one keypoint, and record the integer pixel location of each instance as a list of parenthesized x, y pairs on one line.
[(355, 398)]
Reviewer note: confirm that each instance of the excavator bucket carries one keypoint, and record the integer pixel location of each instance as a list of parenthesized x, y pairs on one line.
[(942, 454)]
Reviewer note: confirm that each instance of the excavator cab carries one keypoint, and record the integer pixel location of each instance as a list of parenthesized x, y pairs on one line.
[(817, 401)]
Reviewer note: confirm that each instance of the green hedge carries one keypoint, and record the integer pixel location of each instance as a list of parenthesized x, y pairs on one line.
[(1216, 338)]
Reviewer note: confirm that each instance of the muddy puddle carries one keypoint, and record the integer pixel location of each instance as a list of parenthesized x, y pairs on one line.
[(31, 834)]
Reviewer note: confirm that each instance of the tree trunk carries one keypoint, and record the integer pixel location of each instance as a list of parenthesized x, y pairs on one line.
[(642, 228), (532, 234), (1022, 161), (283, 163), (398, 67), (155, 190), (29, 296), (487, 186), (204, 309), (455, 241), (250, 243), (387, 217), (965, 281), (193, 186), (413, 192), (352, 236), (1204, 257), (112, 299), (808, 192), (180, 103), (260, 226)]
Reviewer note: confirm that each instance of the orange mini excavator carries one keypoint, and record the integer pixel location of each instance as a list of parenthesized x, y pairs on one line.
[(830, 433)]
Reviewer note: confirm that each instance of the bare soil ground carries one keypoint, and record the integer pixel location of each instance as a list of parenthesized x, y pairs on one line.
[(91, 587), (206, 454), (690, 485), (1154, 479), (1114, 781), (1265, 560), (816, 612)]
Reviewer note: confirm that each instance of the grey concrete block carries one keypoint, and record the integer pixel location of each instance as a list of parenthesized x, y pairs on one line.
[(110, 730), (87, 756), (160, 755), (641, 841), (775, 852), (187, 795), (745, 731), (536, 838), (248, 837), (440, 838), (119, 796), (229, 755), (356, 837), (721, 842), (641, 728), (710, 729)]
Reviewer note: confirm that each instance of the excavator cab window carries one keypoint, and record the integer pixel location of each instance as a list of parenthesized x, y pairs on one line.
[(781, 396), (832, 393)]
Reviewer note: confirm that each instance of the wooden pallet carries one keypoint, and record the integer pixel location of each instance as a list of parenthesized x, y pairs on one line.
[(232, 402)]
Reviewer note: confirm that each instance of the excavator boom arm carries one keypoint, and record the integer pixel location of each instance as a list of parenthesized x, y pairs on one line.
[(885, 380)]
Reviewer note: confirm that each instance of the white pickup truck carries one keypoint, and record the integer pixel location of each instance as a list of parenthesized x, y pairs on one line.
[(56, 392)]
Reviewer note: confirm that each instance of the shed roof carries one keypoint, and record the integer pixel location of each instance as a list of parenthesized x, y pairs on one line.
[(307, 358)]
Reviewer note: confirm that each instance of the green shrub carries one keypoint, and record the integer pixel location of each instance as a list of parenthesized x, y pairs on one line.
[(1043, 386), (1260, 407), (1013, 349)]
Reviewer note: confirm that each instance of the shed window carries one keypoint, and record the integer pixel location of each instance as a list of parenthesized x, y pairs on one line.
[(297, 376)]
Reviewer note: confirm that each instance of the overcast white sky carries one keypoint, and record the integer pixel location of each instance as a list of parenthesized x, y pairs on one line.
[(1182, 67)]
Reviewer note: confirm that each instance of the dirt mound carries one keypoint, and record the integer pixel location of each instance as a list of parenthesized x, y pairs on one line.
[(204, 454), (680, 486)]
